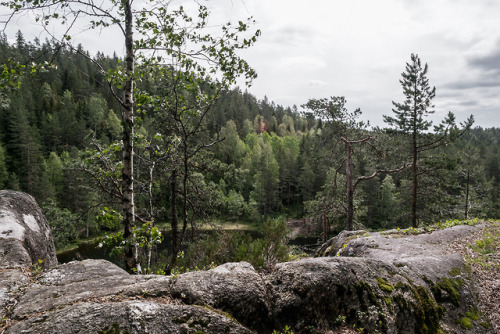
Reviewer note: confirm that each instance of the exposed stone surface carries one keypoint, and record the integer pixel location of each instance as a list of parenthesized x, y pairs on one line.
[(381, 282), (235, 288), (86, 280), (25, 238), (423, 260), (129, 317), (11, 281), (393, 245), (25, 235)]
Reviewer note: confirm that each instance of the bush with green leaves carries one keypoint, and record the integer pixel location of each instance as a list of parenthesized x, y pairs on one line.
[(109, 219), (144, 236), (62, 223)]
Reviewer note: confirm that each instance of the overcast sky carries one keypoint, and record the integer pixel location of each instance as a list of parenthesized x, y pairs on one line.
[(358, 49)]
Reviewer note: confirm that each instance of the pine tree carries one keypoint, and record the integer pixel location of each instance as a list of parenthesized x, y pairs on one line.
[(266, 180), (411, 120), (26, 151)]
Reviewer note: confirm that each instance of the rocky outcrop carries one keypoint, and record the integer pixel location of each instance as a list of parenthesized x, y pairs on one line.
[(433, 277), (235, 288), (25, 240), (383, 283), (25, 236), (129, 317)]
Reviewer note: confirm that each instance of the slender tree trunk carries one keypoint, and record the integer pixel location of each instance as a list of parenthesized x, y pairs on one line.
[(325, 226), (349, 188), (173, 222), (185, 215), (467, 196), (150, 233), (30, 174), (414, 217), (131, 261)]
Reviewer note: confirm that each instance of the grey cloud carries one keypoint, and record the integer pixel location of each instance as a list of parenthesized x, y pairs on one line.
[(489, 63), (469, 103), (483, 71), (471, 84)]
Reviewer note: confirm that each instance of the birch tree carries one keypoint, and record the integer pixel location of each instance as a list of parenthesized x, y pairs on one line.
[(158, 36)]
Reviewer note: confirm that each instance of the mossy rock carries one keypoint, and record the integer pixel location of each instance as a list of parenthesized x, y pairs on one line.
[(446, 290), (114, 329), (384, 285)]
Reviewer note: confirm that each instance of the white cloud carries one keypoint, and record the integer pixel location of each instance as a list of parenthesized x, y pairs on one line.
[(358, 49)]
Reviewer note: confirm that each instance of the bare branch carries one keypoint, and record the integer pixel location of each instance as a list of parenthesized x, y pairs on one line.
[(378, 171)]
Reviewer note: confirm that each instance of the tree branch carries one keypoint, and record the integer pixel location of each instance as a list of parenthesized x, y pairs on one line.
[(378, 171)]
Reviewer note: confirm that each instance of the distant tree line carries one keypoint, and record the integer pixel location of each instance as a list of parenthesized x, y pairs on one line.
[(242, 159)]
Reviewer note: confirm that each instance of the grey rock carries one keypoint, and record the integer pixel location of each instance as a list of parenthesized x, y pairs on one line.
[(25, 236), (436, 288), (11, 282), (235, 288), (129, 317), (81, 281)]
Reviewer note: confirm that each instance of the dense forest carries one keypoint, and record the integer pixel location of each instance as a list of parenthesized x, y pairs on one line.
[(241, 159)]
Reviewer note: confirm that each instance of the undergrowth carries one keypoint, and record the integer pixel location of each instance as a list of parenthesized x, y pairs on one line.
[(487, 248)]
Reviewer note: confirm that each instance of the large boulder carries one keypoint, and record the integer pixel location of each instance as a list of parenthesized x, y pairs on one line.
[(25, 240), (376, 282), (91, 296), (131, 316), (235, 288), (432, 277), (25, 236)]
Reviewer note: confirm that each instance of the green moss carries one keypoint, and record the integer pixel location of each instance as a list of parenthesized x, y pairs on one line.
[(363, 287), (485, 325), (400, 301), (427, 311), (446, 290), (329, 250), (473, 314), (455, 272), (466, 323), (400, 286), (388, 301), (347, 240), (114, 329), (384, 285)]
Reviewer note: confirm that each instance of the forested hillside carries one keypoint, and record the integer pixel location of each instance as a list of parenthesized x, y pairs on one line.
[(248, 159)]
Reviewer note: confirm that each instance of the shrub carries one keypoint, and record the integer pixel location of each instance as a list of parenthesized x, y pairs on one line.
[(229, 246), (62, 223)]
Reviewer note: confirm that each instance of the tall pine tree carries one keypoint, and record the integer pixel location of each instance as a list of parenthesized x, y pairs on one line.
[(410, 119)]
